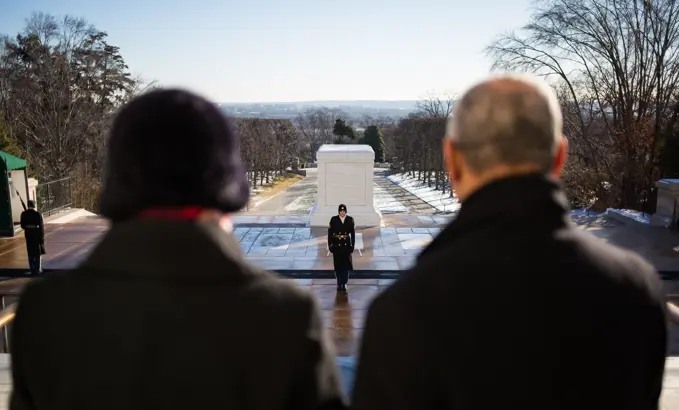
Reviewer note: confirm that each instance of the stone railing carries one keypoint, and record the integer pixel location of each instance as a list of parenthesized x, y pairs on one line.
[(667, 208)]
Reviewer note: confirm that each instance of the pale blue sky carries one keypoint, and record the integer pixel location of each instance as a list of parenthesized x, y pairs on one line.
[(295, 50)]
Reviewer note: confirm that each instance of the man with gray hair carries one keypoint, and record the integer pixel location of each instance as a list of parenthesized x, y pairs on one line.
[(511, 306)]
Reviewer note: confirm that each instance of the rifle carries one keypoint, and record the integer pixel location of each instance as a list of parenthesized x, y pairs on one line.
[(21, 199)]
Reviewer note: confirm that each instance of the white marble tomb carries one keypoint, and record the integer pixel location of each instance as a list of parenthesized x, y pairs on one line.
[(345, 176)]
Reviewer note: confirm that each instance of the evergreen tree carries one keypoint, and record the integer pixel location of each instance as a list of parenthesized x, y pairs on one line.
[(342, 130), (373, 137)]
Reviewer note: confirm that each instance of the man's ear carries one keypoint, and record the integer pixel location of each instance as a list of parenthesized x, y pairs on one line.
[(449, 155), (561, 157)]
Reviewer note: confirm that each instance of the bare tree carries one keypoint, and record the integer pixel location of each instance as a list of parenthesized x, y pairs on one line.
[(379, 121), (617, 66), (417, 143), (315, 126), (268, 147), (436, 105), (60, 83)]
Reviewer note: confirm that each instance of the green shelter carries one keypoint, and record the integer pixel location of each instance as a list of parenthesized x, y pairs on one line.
[(13, 193)]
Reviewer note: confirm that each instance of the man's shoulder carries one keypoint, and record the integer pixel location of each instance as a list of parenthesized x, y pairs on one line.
[(615, 262), (406, 291)]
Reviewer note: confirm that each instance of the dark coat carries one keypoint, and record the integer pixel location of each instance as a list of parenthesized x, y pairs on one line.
[(341, 242), (168, 315), (511, 306), (33, 225)]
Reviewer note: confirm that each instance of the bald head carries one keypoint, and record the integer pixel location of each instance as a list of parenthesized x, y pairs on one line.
[(508, 120)]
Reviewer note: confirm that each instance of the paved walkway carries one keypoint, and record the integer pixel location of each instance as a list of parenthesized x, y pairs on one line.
[(280, 203)]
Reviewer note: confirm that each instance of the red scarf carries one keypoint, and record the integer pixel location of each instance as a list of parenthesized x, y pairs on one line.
[(187, 213)]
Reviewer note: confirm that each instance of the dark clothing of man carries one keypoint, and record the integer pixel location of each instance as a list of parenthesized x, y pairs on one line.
[(34, 232), (341, 242), (169, 315), (512, 307)]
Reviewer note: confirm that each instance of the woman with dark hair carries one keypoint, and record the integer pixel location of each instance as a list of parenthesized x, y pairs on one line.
[(165, 312)]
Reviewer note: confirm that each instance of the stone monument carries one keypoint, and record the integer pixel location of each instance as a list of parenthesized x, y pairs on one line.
[(345, 176), (667, 208)]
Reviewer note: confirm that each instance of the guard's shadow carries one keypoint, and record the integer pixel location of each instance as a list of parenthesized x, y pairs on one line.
[(342, 324), (341, 313)]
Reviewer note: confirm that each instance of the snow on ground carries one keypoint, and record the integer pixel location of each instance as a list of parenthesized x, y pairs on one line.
[(305, 201), (620, 215), (302, 204), (385, 202), (435, 198), (631, 214)]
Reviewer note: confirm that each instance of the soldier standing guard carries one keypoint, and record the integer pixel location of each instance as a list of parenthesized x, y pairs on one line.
[(341, 241), (34, 231)]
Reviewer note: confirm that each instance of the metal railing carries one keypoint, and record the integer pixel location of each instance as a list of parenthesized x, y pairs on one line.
[(6, 317), (54, 196), (673, 313)]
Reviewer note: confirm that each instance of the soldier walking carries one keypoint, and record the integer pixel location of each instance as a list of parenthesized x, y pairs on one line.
[(341, 242), (34, 232)]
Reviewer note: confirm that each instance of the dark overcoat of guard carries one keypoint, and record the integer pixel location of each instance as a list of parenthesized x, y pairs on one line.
[(341, 242), (34, 231)]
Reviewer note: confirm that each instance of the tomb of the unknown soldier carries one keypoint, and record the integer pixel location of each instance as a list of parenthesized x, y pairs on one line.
[(345, 176)]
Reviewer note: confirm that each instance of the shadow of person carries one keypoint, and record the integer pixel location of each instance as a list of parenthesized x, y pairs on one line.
[(343, 330), (341, 312)]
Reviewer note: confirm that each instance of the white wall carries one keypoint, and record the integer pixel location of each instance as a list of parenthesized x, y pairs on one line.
[(17, 183), (32, 191)]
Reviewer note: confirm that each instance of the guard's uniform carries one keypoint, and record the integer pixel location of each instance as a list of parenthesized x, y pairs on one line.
[(34, 232), (341, 242)]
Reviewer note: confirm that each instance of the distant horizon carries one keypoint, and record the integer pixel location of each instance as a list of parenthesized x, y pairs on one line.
[(318, 101)]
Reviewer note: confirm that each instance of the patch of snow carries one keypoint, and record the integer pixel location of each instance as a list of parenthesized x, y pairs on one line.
[(587, 217), (619, 216), (70, 216), (305, 201), (302, 204), (631, 214), (385, 202), (436, 198), (585, 212)]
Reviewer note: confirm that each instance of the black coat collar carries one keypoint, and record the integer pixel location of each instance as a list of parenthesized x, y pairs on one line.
[(525, 202), (181, 249)]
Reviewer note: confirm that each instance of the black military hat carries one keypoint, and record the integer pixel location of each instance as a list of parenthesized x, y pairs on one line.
[(172, 148), (341, 208)]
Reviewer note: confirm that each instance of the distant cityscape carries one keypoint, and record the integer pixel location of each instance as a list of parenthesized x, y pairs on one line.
[(289, 110)]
